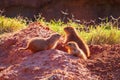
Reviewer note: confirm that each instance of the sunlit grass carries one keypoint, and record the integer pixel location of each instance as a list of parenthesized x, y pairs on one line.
[(104, 33), (100, 35), (11, 24), (54, 25)]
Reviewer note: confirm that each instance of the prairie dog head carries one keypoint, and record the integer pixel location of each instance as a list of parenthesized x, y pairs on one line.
[(75, 50), (69, 30), (71, 45), (54, 37)]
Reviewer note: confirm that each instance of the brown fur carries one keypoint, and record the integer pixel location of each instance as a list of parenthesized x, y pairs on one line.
[(74, 49), (60, 46), (71, 35), (38, 44)]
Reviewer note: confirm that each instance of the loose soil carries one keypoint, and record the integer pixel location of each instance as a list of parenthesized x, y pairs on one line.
[(104, 63)]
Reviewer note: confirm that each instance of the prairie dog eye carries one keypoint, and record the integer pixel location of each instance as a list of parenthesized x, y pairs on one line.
[(69, 43)]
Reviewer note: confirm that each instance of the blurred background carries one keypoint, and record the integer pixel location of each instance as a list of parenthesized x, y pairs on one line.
[(61, 9)]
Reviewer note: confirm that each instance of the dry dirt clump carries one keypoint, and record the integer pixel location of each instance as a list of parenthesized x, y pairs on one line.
[(104, 63)]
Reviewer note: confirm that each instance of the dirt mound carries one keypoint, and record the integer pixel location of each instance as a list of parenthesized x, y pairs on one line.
[(10, 43), (104, 62), (47, 64)]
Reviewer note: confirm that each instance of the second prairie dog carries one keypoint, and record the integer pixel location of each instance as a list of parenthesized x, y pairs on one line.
[(39, 44), (74, 49), (71, 35)]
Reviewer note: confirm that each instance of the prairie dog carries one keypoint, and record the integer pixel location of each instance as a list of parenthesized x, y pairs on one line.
[(39, 44), (71, 35), (74, 49)]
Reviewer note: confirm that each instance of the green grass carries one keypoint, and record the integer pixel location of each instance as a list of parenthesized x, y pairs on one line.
[(100, 35), (104, 33), (11, 24)]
